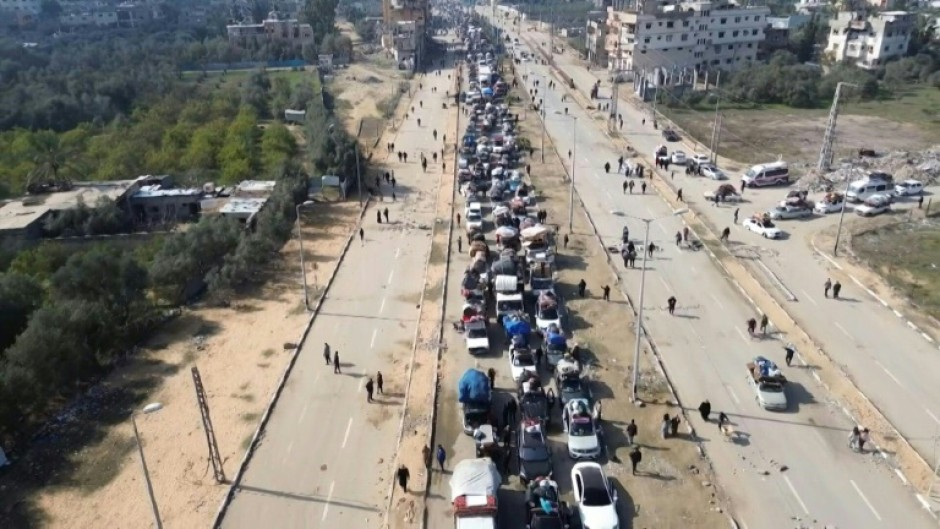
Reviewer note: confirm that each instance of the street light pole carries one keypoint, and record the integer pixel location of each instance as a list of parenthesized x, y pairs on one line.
[(845, 201), (300, 239), (143, 465), (639, 318), (358, 174)]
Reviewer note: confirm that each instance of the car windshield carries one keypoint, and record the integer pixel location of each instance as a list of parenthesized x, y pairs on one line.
[(541, 283), (751, 173), (549, 314), (581, 428), (523, 360), (570, 385), (771, 388), (509, 306), (595, 497), (473, 217), (476, 333)]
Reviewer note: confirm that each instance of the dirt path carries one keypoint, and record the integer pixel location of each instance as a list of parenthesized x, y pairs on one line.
[(240, 352)]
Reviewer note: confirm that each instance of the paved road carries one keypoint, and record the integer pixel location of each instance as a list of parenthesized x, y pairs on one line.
[(891, 363), (326, 454), (705, 349)]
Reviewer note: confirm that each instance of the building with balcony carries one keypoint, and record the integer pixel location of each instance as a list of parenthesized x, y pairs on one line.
[(869, 42), (595, 40), (663, 40), (406, 23), (274, 28)]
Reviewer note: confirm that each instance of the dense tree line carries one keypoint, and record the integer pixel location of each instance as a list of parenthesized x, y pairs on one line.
[(201, 132)]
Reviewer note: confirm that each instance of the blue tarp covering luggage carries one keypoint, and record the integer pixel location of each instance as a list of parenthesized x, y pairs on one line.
[(556, 340), (474, 386)]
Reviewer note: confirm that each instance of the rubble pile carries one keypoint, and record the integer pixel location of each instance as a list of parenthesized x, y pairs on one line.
[(902, 165)]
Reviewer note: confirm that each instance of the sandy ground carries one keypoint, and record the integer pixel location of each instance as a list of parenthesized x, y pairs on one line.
[(241, 352), (672, 468)]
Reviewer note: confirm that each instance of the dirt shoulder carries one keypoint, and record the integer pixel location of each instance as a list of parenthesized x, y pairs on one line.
[(240, 352)]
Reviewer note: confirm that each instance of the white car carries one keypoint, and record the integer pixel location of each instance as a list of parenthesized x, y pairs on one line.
[(824, 207), (596, 499), (875, 205), (474, 221), (583, 434), (764, 228), (909, 188), (700, 159), (678, 158), (520, 362), (478, 341), (546, 317), (710, 171)]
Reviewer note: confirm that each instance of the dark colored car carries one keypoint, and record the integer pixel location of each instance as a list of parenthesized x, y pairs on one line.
[(536, 406), (670, 135), (571, 387), (535, 458)]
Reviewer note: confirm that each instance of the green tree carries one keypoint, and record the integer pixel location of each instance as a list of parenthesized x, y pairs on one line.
[(54, 160), (321, 15), (277, 146), (239, 157), (106, 276), (203, 150), (42, 261), (20, 296)]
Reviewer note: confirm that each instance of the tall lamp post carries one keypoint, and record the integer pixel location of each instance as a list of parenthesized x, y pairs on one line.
[(150, 408), (639, 319), (300, 239), (574, 159)]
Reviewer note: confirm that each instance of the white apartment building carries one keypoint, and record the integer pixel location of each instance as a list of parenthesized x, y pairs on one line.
[(31, 7), (869, 42), (662, 39)]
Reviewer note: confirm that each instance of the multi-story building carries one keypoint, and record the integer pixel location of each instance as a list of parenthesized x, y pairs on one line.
[(595, 40), (778, 33), (20, 12), (273, 28), (406, 23), (869, 42), (102, 19), (679, 38)]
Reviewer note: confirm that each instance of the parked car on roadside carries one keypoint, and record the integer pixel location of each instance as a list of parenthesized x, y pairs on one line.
[(909, 188), (712, 172), (763, 227), (875, 205), (670, 135), (678, 158)]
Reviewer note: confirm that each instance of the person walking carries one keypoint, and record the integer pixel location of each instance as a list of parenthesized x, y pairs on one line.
[(736, 212), (326, 353), (378, 216), (679, 195), (491, 373), (582, 286), (671, 304), (336, 369), (393, 182), (538, 356), (441, 456), (751, 326), (643, 187), (426, 456), (566, 241), (620, 164), (650, 249), (722, 419), (674, 425), (678, 238), (606, 167), (725, 234), (509, 411), (626, 185), (370, 386), (705, 409), (403, 477), (385, 213), (635, 458), (665, 426), (685, 233), (606, 292), (763, 324), (631, 432), (836, 288), (827, 286), (380, 383), (789, 350), (459, 244), (362, 236)]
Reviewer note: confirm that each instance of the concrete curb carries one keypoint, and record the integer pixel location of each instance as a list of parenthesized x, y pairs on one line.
[(259, 432), (871, 293)]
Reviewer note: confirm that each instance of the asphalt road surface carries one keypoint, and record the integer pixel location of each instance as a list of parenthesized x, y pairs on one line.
[(705, 347), (892, 364), (326, 454)]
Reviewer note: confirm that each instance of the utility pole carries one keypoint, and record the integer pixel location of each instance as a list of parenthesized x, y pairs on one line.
[(574, 161), (825, 154), (713, 147), (203, 401)]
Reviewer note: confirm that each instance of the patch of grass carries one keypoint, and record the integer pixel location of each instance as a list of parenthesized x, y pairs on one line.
[(918, 105), (233, 77), (250, 416), (269, 352), (907, 255)]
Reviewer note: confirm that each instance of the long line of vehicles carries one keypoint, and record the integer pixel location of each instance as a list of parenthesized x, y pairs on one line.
[(512, 276)]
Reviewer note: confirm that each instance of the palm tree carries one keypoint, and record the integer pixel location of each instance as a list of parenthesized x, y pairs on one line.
[(52, 158)]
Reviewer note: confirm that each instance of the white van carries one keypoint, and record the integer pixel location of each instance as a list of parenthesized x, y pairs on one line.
[(864, 189), (767, 174)]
